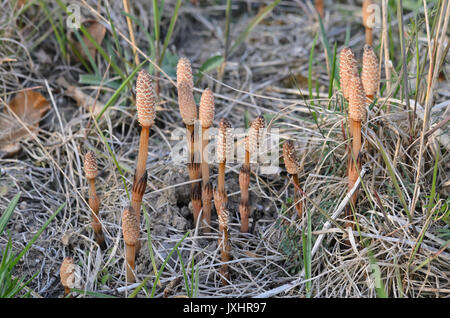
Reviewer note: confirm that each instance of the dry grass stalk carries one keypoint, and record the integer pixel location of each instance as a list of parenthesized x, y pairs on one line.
[(206, 117), (368, 20), (223, 217), (370, 74), (145, 104), (90, 169), (293, 168), (348, 67), (356, 114), (67, 274), (252, 143), (130, 232)]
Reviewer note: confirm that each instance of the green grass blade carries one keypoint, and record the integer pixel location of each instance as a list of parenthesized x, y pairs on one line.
[(136, 291), (8, 212), (149, 240), (387, 161), (333, 72), (310, 64), (183, 269), (210, 64), (119, 90), (35, 237), (173, 20)]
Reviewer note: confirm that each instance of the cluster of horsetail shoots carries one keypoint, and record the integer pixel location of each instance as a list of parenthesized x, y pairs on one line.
[(293, 168), (252, 144), (90, 169)]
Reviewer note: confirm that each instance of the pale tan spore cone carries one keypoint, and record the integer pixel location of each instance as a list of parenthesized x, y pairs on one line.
[(368, 20), (254, 135), (67, 274), (130, 232), (293, 168), (224, 147), (145, 100), (90, 169), (348, 67), (356, 113), (184, 73), (370, 74)]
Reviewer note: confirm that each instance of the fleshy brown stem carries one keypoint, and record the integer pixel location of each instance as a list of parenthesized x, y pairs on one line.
[(207, 195), (225, 256), (66, 291), (221, 177), (205, 165), (355, 131), (94, 203), (244, 208), (139, 186), (297, 196), (136, 197), (130, 254), (369, 36)]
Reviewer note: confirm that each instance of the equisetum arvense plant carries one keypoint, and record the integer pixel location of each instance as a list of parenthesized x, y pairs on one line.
[(224, 144), (130, 232), (67, 274), (90, 170), (356, 114), (206, 117), (252, 143), (224, 244), (189, 114), (370, 73), (293, 168), (368, 20), (145, 104)]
